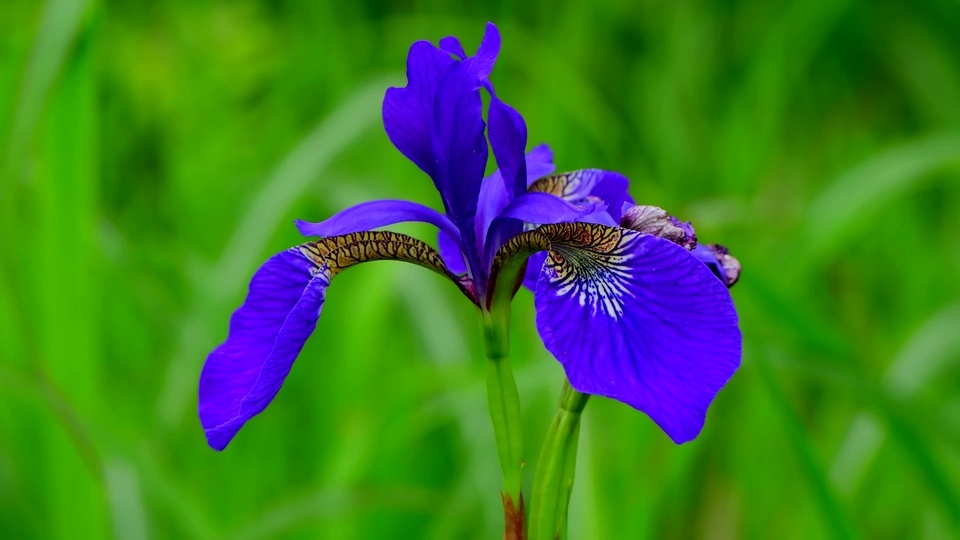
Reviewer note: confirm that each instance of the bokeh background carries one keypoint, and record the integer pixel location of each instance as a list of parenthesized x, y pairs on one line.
[(152, 154)]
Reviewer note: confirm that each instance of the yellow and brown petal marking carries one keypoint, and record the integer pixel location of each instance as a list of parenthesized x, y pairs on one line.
[(337, 253), (564, 185), (586, 261)]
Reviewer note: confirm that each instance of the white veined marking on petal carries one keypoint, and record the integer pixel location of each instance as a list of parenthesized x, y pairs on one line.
[(597, 280)]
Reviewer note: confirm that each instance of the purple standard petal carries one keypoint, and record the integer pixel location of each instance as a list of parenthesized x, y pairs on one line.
[(493, 194), (460, 147), (663, 335), (539, 163), (436, 121), (371, 215), (241, 376), (408, 112), (451, 44), (508, 138)]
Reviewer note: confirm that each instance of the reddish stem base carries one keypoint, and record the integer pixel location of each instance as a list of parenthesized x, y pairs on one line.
[(514, 518)]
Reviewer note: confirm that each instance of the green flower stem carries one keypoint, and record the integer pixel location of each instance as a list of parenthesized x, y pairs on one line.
[(553, 481), (504, 402)]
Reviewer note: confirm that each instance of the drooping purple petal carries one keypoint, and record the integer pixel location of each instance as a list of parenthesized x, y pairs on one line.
[(719, 260), (241, 376), (663, 335), (373, 214), (707, 257)]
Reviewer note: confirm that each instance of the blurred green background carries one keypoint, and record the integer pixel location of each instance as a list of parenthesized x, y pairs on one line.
[(152, 154)]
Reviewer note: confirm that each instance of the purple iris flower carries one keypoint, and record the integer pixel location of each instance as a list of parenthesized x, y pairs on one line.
[(626, 300)]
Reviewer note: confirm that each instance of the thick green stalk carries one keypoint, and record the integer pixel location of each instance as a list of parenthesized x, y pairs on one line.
[(553, 481), (504, 402)]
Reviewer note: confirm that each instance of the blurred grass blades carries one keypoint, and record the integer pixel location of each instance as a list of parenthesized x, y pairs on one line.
[(842, 211), (154, 153), (61, 22)]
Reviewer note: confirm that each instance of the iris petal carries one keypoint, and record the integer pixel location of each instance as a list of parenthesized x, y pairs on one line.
[(451, 253), (704, 255), (451, 44), (539, 163), (242, 375), (408, 112), (536, 208), (436, 121), (373, 214), (493, 193), (663, 335), (508, 138), (608, 186)]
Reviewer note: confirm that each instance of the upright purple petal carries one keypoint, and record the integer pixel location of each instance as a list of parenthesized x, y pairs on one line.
[(373, 214), (436, 121), (408, 112), (642, 321), (488, 51), (452, 45), (539, 163), (508, 138), (493, 194), (241, 376)]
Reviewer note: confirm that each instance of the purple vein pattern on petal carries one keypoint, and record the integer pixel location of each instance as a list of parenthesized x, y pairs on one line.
[(371, 215), (241, 376), (663, 330)]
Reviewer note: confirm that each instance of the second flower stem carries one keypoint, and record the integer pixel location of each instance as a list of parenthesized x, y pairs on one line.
[(553, 481)]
